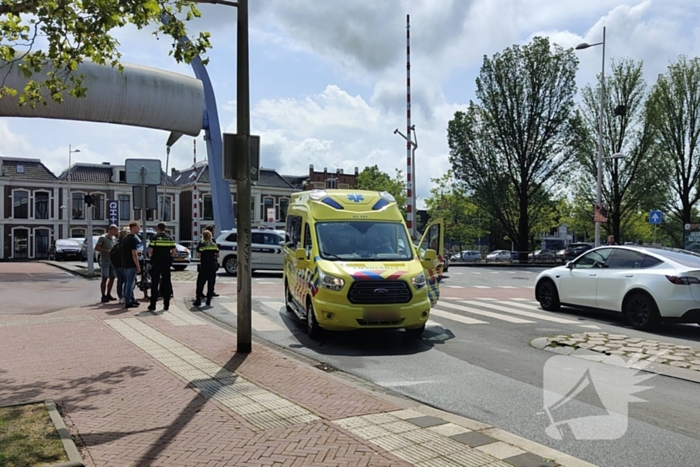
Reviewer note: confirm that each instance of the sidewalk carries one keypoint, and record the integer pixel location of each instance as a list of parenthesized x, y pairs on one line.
[(167, 389)]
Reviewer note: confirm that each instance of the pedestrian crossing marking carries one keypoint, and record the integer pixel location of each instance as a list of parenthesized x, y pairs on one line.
[(482, 287), (455, 317), (432, 323), (520, 299), (455, 287), (490, 314), (487, 298), (259, 322), (450, 298), (274, 305), (589, 326), (526, 314), (506, 287), (478, 273)]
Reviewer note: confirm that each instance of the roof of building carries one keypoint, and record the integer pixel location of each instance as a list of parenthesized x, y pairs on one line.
[(25, 169), (297, 181), (99, 173), (268, 177)]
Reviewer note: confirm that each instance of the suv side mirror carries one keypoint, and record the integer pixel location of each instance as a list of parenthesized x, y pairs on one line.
[(569, 265)]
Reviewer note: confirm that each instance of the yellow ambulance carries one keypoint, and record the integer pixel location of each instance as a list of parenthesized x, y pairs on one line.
[(349, 263)]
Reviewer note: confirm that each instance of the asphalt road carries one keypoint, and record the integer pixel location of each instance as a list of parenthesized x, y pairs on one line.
[(475, 360)]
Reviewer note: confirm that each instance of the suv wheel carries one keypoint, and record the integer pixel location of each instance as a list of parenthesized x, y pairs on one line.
[(231, 265)]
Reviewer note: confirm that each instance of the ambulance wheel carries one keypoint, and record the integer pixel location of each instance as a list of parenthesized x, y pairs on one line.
[(416, 333), (312, 328)]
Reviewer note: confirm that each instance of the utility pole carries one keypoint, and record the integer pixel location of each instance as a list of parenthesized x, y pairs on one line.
[(244, 221)]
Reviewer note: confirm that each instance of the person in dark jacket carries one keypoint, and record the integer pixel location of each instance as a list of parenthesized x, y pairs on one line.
[(208, 264), (161, 251), (210, 228), (116, 257)]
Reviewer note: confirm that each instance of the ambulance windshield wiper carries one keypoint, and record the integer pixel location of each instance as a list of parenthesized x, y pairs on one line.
[(325, 254)]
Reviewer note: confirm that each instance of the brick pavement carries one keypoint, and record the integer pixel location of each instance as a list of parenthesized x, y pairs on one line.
[(135, 401)]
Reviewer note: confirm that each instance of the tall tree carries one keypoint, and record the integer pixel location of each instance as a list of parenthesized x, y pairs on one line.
[(675, 103), (515, 143), (631, 183), (79, 30), (449, 200), (371, 178)]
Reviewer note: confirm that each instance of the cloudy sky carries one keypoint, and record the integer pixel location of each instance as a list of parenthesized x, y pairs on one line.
[(328, 78)]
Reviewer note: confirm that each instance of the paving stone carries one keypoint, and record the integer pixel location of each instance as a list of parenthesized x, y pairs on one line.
[(617, 352), (601, 348), (443, 446), (654, 352), (680, 364), (528, 460), (682, 354), (695, 362), (442, 462), (616, 336), (587, 345), (695, 367), (674, 358), (392, 442), (406, 414), (471, 458), (634, 340), (684, 347), (427, 421), (449, 429), (636, 345), (631, 349), (415, 454), (500, 450), (473, 439)]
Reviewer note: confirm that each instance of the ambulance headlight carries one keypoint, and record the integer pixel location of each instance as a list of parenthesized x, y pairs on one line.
[(331, 282), (419, 281)]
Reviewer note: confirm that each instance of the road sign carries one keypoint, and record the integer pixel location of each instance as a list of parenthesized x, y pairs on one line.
[(113, 209), (655, 217), (142, 171), (230, 154)]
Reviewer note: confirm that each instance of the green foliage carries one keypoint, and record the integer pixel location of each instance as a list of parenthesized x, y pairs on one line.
[(449, 201), (514, 145), (675, 109), (373, 179), (629, 184), (79, 30)]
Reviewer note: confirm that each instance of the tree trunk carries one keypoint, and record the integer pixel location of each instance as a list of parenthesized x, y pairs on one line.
[(523, 230)]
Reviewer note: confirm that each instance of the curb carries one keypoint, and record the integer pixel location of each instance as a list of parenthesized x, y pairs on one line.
[(406, 402), (76, 271), (541, 343)]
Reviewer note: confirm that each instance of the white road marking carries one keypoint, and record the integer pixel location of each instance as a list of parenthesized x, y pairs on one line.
[(260, 322), (506, 287), (455, 317), (589, 326), (267, 283), (482, 287), (455, 287), (474, 311), (478, 273), (494, 272), (520, 299), (487, 298), (432, 323), (450, 298), (527, 314), (274, 305)]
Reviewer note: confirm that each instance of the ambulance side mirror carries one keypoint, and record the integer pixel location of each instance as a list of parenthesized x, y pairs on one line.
[(300, 256)]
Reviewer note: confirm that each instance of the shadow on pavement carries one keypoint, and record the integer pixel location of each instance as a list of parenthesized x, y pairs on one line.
[(364, 342)]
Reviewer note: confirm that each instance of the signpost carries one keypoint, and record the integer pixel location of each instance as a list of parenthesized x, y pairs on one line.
[(146, 173), (655, 218), (271, 217), (113, 210)]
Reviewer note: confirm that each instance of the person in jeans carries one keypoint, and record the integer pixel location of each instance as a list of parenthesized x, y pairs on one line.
[(208, 264), (130, 263), (104, 248), (116, 256)]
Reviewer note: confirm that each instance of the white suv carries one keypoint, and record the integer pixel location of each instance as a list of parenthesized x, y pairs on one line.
[(267, 250)]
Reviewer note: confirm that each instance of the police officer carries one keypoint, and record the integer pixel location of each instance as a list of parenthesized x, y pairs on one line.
[(210, 228), (161, 251), (208, 264)]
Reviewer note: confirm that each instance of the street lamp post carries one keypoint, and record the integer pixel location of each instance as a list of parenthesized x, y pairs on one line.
[(600, 132), (412, 187), (69, 201)]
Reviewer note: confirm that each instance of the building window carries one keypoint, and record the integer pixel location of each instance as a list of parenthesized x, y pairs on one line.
[(268, 203), (124, 208), (77, 233), (98, 207), (165, 208), (41, 243), (332, 183), (122, 176), (284, 207), (20, 204), (41, 205), (78, 205), (207, 208), (20, 243), (98, 232)]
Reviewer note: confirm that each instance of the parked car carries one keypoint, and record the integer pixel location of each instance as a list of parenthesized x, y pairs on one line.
[(541, 255), (646, 284), (84, 249), (498, 255), (559, 255), (65, 249), (267, 250), (471, 256), (575, 250)]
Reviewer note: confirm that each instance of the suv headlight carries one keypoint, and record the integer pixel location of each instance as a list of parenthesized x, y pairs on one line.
[(419, 281), (331, 282)]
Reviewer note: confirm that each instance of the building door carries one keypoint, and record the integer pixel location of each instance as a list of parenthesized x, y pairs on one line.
[(41, 243)]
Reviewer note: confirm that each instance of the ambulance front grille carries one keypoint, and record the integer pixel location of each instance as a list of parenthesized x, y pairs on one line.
[(379, 293)]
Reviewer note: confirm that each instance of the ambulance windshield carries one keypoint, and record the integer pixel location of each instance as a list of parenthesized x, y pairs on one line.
[(363, 241)]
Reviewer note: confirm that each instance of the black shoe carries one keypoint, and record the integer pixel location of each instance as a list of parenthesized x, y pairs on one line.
[(166, 306), (197, 303), (105, 299), (151, 307), (215, 294), (208, 301), (135, 304), (110, 298)]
